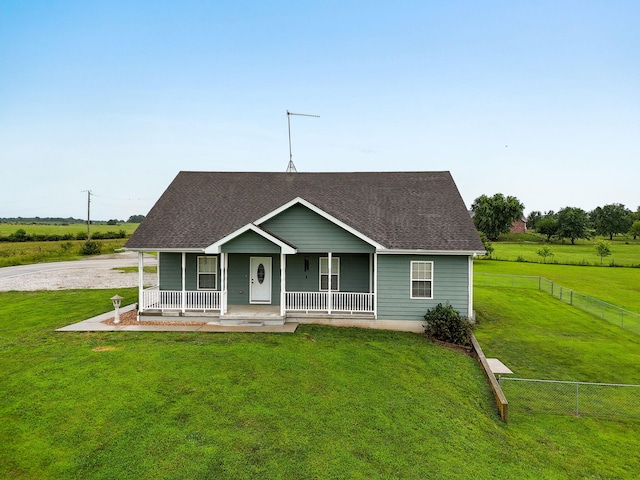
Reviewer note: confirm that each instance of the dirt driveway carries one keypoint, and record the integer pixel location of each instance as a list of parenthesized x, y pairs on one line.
[(95, 272)]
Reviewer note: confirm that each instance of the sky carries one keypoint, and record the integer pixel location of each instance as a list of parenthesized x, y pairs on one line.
[(538, 100)]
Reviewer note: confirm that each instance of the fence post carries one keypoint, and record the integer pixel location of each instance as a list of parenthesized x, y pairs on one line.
[(552, 288), (570, 297), (539, 283), (577, 399), (622, 318)]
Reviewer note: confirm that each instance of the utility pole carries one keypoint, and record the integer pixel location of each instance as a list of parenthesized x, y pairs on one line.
[(291, 168), (88, 214)]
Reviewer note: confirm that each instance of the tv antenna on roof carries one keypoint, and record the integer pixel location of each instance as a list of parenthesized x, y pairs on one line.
[(291, 168)]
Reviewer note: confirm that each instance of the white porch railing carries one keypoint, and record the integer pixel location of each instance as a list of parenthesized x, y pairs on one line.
[(155, 299), (343, 302)]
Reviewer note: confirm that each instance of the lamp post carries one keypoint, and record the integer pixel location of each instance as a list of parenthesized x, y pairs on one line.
[(116, 299)]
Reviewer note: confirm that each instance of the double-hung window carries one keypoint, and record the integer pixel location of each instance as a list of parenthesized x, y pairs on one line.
[(421, 279), (207, 273), (335, 274)]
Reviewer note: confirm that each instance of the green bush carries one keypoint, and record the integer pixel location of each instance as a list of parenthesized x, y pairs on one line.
[(446, 324), (90, 247)]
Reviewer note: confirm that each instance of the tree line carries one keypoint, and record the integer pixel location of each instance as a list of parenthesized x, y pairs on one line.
[(494, 216), (21, 235)]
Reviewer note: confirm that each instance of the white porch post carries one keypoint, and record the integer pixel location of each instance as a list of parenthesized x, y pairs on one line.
[(283, 283), (140, 283), (375, 285), (223, 283), (184, 292), (329, 285)]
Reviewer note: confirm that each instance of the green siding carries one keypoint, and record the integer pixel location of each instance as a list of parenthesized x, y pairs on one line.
[(250, 242), (170, 265), (354, 273), (450, 284), (312, 233), (238, 281)]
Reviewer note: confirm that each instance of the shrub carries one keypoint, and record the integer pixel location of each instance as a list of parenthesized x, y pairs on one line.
[(446, 324), (90, 247)]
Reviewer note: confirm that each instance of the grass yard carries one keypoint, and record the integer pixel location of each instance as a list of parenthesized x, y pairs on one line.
[(321, 403), (619, 286), (624, 252), (538, 336), (25, 253)]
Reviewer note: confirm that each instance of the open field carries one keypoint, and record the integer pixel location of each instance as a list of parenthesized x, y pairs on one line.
[(624, 251), (7, 229), (25, 253), (320, 403), (619, 286)]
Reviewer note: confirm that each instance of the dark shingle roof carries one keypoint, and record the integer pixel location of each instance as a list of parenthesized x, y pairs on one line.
[(399, 210)]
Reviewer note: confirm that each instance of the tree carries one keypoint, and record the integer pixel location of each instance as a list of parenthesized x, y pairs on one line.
[(603, 250), (548, 226), (573, 223), (136, 219), (611, 220), (494, 215), (545, 252), (635, 229), (533, 219)]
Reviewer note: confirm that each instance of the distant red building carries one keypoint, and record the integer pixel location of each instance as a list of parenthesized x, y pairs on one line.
[(518, 226)]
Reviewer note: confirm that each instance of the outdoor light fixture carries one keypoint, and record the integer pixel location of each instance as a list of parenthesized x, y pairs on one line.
[(116, 299)]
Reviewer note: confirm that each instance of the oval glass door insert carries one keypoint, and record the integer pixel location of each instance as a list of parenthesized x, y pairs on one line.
[(260, 273)]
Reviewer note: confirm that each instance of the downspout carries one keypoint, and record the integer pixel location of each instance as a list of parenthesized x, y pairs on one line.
[(471, 313)]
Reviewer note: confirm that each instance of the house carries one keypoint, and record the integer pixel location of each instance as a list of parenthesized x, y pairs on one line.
[(518, 226), (371, 249)]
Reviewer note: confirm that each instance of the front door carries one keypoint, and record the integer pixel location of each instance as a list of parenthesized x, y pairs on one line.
[(260, 280)]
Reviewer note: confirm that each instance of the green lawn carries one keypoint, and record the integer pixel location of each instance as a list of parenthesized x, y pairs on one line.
[(321, 403), (624, 251), (619, 286), (26, 253)]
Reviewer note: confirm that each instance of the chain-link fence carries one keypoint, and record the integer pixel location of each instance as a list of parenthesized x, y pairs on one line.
[(571, 398), (606, 311)]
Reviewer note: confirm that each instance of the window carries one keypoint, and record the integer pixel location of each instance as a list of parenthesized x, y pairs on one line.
[(335, 273), (207, 273), (421, 279)]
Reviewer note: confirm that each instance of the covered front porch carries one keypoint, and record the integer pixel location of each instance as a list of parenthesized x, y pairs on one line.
[(181, 302)]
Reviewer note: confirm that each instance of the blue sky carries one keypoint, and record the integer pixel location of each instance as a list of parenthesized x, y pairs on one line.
[(540, 100)]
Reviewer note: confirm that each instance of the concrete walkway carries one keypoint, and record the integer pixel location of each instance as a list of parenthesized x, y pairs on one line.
[(95, 325)]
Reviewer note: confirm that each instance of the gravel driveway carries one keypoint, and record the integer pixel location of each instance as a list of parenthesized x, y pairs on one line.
[(96, 272)]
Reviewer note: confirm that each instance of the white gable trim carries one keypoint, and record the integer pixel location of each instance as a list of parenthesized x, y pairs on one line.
[(284, 247), (322, 213)]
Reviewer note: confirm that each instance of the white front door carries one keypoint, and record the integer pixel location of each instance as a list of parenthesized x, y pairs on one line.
[(260, 280)]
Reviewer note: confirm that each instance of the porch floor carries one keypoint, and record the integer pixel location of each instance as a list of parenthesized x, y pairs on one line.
[(95, 324)]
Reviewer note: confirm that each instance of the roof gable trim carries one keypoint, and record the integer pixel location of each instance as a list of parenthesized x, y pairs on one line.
[(285, 248), (322, 213)]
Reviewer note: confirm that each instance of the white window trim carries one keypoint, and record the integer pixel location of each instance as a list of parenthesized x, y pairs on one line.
[(215, 272), (411, 280), (337, 289)]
